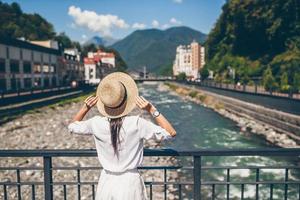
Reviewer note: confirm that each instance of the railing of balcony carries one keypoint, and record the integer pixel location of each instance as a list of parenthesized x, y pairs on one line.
[(199, 187)]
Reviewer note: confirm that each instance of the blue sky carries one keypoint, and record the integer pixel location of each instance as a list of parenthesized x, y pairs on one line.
[(81, 19)]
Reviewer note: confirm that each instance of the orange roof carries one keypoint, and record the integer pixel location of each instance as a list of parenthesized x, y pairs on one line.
[(87, 60), (97, 56)]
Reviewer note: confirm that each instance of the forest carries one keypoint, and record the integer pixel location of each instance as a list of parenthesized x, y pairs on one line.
[(260, 41)]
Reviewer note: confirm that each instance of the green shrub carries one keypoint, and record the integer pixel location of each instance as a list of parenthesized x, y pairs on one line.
[(193, 94)]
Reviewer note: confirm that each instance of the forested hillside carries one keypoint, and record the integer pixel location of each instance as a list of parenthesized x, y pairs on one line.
[(155, 48), (258, 38)]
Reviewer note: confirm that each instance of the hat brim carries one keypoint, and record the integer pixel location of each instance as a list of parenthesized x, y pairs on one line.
[(131, 94)]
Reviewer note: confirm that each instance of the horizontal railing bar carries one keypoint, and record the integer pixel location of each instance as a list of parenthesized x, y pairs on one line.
[(161, 183), (159, 167), (21, 168), (191, 183), (248, 183), (97, 168), (146, 183), (156, 167), (242, 167), (157, 152), (75, 168), (22, 183), (250, 167)]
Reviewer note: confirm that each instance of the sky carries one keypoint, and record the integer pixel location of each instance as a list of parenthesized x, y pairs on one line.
[(83, 19)]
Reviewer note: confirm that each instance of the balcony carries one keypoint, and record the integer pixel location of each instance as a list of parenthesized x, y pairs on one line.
[(49, 184)]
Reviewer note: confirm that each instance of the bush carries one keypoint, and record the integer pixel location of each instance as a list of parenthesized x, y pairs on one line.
[(296, 82), (284, 85), (204, 73), (269, 82), (181, 76), (193, 94)]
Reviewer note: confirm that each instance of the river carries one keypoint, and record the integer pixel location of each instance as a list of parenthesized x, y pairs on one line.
[(200, 127)]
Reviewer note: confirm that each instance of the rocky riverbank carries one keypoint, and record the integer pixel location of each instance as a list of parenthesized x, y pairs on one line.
[(46, 128), (246, 123)]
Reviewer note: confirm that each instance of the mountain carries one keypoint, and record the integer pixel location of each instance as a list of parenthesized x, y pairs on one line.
[(257, 38), (101, 41), (155, 48)]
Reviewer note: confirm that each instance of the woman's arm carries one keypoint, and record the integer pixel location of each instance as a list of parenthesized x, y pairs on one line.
[(160, 120), (88, 104)]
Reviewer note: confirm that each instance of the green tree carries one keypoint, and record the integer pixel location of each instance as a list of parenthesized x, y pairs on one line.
[(204, 73), (181, 76), (63, 39), (296, 82), (284, 85), (275, 40), (269, 82)]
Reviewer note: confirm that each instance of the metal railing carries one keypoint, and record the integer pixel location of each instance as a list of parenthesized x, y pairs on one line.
[(199, 186), (251, 89)]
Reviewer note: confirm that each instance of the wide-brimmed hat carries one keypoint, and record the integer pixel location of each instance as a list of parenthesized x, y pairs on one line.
[(117, 93)]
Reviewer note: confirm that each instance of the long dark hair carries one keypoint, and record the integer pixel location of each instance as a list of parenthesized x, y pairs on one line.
[(115, 127)]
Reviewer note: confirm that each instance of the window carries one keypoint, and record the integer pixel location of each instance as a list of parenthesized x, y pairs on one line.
[(37, 68), (2, 84), (27, 82), (53, 81), (46, 82), (15, 83), (2, 66), (27, 67), (46, 68), (37, 82), (14, 66), (53, 68)]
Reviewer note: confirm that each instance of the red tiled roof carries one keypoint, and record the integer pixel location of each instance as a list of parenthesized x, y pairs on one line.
[(97, 56)]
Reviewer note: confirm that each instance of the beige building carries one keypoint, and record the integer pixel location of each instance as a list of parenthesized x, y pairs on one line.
[(189, 60), (24, 65)]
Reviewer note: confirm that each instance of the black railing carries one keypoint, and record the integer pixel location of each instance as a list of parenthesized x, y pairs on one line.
[(200, 188), (244, 88)]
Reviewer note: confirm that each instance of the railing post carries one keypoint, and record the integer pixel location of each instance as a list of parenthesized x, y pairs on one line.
[(197, 177), (255, 88), (48, 178)]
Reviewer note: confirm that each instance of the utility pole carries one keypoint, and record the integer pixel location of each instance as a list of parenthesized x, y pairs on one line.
[(145, 71)]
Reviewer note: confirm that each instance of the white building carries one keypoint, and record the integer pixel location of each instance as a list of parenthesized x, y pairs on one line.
[(189, 60), (73, 52), (96, 63)]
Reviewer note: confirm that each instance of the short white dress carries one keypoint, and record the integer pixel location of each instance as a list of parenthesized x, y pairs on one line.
[(120, 179)]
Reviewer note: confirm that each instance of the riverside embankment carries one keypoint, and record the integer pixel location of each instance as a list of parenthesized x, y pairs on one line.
[(276, 127)]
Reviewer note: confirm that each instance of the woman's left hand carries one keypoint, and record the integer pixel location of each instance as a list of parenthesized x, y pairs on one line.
[(90, 101), (143, 104)]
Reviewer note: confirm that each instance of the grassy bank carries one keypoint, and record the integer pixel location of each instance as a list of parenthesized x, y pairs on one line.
[(195, 95)]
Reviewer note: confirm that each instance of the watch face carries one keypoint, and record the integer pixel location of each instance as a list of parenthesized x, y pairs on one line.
[(156, 113)]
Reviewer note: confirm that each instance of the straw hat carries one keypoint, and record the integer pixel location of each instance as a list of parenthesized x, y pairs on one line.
[(117, 93)]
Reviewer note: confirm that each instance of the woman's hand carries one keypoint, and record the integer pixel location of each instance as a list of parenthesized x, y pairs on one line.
[(88, 104), (143, 104), (90, 101)]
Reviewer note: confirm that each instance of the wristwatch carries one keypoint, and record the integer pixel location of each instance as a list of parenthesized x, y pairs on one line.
[(155, 114)]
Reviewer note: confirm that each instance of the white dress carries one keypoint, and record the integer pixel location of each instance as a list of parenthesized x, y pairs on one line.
[(120, 179)]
